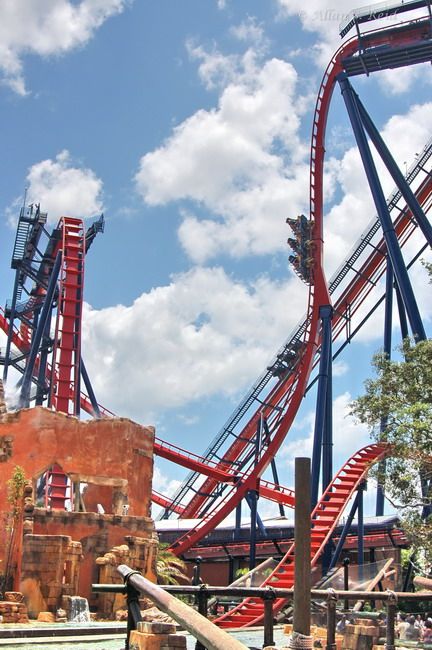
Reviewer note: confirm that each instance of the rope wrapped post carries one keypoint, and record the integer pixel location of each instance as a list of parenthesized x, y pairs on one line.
[(331, 619), (300, 638), (391, 618), (268, 599)]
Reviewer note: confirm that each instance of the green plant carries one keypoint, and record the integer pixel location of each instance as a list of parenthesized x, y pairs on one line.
[(15, 492), (15, 498), (170, 570)]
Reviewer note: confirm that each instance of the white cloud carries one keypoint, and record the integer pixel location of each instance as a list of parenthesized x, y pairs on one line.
[(46, 28), (244, 163), (249, 30), (325, 21), (348, 435), (204, 334), (62, 189), (401, 80), (240, 160), (405, 136), (215, 69), (340, 368), (164, 485)]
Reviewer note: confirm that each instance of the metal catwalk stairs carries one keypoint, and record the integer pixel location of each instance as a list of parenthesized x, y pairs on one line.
[(323, 521)]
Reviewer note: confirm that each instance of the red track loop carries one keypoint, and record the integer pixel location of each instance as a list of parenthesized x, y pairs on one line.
[(289, 393)]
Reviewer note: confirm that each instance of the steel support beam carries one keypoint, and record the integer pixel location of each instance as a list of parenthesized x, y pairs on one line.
[(402, 315), (24, 399), (379, 506), (89, 389), (252, 499), (276, 482), (346, 529), (43, 360), (395, 172), (324, 373), (360, 528), (389, 233), (11, 325)]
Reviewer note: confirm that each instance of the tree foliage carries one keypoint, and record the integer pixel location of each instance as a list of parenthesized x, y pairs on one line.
[(397, 407)]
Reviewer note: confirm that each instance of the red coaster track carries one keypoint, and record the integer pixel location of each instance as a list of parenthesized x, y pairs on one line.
[(282, 403), (67, 341), (323, 521), (280, 406)]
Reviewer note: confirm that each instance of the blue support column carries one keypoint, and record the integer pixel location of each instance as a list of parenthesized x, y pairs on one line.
[(252, 498), (258, 521), (395, 172), (11, 324), (321, 407), (327, 444), (40, 393), (44, 317), (89, 389), (389, 233), (360, 528), (402, 315), (77, 405), (276, 482), (345, 531), (379, 506), (238, 514)]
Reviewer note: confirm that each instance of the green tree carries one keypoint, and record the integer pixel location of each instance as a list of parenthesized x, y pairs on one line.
[(401, 395), (170, 569)]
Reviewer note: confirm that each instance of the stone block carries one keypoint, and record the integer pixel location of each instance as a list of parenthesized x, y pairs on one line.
[(358, 642), (143, 641), (14, 596), (176, 643), (46, 617), (319, 633), (369, 630), (156, 628)]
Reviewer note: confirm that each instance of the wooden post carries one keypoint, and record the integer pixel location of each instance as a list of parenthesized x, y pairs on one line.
[(302, 520), (331, 620), (391, 620)]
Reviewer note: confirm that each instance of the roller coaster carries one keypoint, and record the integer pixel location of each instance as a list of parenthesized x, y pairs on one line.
[(42, 322)]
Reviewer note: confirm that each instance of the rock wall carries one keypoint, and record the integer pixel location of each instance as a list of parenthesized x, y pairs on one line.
[(49, 570), (108, 469)]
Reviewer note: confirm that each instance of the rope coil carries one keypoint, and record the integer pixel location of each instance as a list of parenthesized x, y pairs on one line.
[(299, 641)]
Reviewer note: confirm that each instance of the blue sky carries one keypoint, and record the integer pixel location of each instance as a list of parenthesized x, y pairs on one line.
[(188, 124)]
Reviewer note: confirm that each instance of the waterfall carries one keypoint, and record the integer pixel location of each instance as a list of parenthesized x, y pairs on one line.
[(79, 610)]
